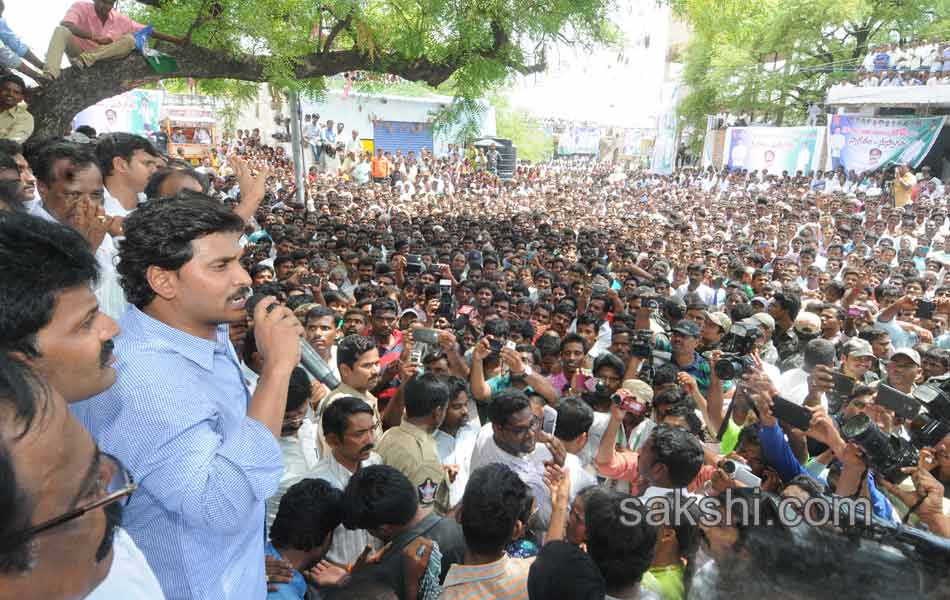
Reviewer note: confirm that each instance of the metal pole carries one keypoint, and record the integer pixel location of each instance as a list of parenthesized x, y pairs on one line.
[(295, 141)]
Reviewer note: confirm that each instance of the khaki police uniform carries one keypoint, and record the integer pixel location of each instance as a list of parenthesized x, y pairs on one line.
[(413, 452)]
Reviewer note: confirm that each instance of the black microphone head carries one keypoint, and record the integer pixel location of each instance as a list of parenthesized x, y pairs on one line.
[(252, 303)]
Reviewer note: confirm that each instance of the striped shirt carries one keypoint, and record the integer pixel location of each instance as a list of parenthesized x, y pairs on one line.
[(504, 579), (177, 418)]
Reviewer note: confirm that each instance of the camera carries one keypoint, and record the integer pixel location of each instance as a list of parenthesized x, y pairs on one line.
[(933, 422), (887, 454), (414, 264), (641, 344), (736, 347), (741, 472), (446, 300), (629, 403), (496, 345)]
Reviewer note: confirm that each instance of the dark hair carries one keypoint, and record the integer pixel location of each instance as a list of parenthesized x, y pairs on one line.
[(788, 302), (562, 570), (680, 451), (159, 177), (11, 78), (40, 260), (424, 394), (309, 511), (7, 162), (587, 319), (574, 418), (378, 495), (11, 147), (506, 403), (161, 234), (47, 156), (497, 327), (621, 545), (573, 338), (336, 416), (120, 145), (319, 312), (352, 347), (87, 130), (495, 500), (871, 334), (299, 389), (384, 304), (11, 191), (611, 360), (23, 397)]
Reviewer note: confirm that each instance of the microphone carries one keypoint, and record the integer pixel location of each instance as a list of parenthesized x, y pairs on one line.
[(311, 362)]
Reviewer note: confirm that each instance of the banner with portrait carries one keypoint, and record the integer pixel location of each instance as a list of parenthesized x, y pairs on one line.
[(867, 143), (137, 111), (663, 159), (773, 149)]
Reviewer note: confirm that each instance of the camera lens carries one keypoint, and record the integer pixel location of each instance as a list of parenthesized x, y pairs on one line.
[(856, 427)]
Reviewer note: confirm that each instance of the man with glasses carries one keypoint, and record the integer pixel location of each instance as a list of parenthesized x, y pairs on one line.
[(510, 438), (50, 318), (63, 502)]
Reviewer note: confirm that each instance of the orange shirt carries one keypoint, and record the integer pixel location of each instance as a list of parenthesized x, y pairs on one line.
[(380, 166)]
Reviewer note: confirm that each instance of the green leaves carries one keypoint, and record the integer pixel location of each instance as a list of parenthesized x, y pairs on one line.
[(767, 60), (480, 43)]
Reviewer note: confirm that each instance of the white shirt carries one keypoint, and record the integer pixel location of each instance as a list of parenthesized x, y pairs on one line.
[(347, 543), (457, 450), (793, 386), (130, 577), (529, 467), (114, 208), (295, 469)]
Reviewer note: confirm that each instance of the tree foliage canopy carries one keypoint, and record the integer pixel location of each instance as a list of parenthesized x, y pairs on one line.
[(293, 44), (769, 59)]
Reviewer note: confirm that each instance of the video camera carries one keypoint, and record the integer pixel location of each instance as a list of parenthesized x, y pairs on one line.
[(736, 346), (887, 454), (933, 422)]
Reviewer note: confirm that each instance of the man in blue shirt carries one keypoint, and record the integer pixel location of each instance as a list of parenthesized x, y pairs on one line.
[(203, 450), (303, 531)]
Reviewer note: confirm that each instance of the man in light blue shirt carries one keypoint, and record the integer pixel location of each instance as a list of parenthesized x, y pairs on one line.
[(203, 450), (14, 54)]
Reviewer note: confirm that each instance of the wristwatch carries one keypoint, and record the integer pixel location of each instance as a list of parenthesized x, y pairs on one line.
[(526, 373)]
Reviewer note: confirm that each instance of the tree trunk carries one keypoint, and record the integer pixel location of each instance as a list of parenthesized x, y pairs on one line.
[(54, 105)]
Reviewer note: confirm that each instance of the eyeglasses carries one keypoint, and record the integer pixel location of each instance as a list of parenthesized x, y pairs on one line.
[(115, 484), (535, 425)]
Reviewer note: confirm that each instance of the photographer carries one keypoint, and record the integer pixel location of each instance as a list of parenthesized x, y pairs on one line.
[(855, 478)]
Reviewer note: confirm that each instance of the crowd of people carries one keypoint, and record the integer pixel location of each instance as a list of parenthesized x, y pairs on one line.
[(466, 388), (588, 381), (918, 63)]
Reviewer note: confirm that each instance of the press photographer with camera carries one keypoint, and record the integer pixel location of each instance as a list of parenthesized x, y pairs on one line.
[(855, 479)]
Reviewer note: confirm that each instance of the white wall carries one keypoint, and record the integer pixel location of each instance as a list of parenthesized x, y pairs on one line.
[(358, 111)]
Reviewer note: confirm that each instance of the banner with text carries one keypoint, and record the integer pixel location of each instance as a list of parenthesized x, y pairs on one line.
[(773, 149), (579, 140), (868, 143)]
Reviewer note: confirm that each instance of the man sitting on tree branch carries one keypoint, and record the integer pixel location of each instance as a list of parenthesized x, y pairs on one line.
[(91, 32)]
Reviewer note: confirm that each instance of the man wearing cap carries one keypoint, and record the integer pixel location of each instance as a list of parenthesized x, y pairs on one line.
[(857, 357), (684, 340), (715, 326), (766, 325), (807, 327), (903, 369)]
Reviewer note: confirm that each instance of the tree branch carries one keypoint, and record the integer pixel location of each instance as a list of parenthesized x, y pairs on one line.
[(339, 26)]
